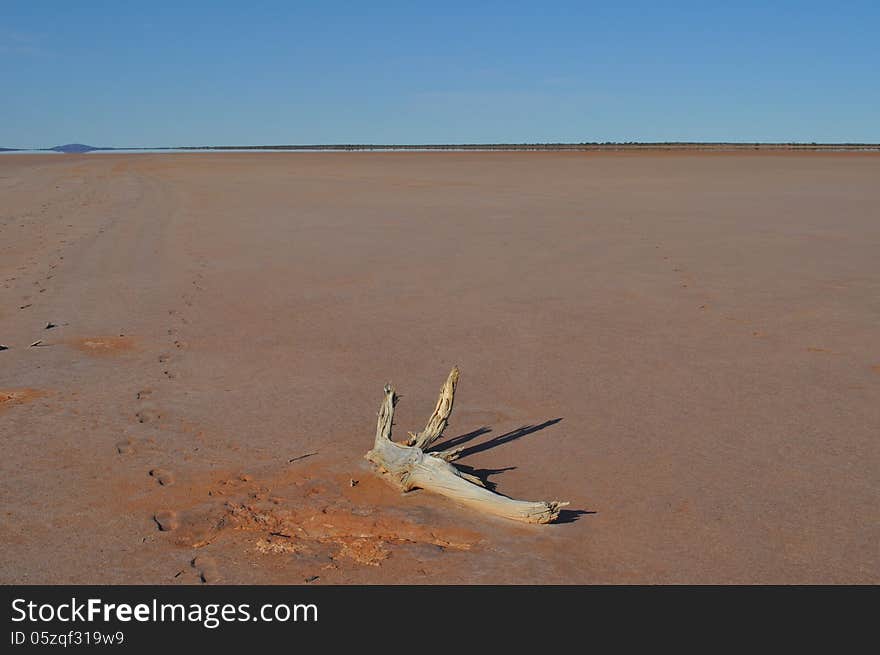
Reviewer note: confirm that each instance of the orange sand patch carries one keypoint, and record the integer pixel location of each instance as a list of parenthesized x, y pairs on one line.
[(361, 535), (309, 516), (9, 397), (104, 345)]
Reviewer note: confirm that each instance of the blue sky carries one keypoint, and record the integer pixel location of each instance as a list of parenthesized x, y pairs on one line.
[(160, 74)]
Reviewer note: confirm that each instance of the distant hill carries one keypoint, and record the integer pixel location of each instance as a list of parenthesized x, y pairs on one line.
[(74, 147), (8, 149)]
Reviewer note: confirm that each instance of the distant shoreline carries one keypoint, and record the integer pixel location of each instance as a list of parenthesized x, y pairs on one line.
[(549, 147)]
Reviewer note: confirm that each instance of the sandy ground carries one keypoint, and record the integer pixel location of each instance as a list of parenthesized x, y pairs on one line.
[(685, 346)]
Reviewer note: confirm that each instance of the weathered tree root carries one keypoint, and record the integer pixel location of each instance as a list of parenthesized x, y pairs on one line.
[(412, 465)]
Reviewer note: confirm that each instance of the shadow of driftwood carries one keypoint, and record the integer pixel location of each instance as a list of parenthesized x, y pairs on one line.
[(462, 439), (483, 474), (565, 516), (494, 442), (572, 515)]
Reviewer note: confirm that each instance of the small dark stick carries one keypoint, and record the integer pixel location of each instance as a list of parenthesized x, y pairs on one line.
[(296, 459)]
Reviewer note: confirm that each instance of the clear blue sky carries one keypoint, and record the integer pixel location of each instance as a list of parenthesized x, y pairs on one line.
[(250, 72)]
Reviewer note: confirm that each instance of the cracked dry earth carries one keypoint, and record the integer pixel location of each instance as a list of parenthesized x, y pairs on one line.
[(196, 345)]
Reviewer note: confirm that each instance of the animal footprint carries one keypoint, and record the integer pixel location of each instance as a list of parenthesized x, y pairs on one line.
[(147, 415), (207, 568), (167, 520), (163, 477), (125, 447)]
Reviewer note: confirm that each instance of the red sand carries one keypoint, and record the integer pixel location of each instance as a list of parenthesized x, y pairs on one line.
[(705, 325)]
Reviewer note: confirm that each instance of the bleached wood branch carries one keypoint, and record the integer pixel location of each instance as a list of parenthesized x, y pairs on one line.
[(408, 466), (440, 417)]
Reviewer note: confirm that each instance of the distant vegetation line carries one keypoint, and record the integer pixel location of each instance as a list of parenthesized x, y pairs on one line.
[(608, 145), (584, 146)]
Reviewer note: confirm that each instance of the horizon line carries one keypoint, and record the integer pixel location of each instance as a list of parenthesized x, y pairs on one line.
[(547, 145)]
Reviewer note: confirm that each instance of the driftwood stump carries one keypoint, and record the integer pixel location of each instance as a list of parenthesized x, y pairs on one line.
[(414, 465)]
